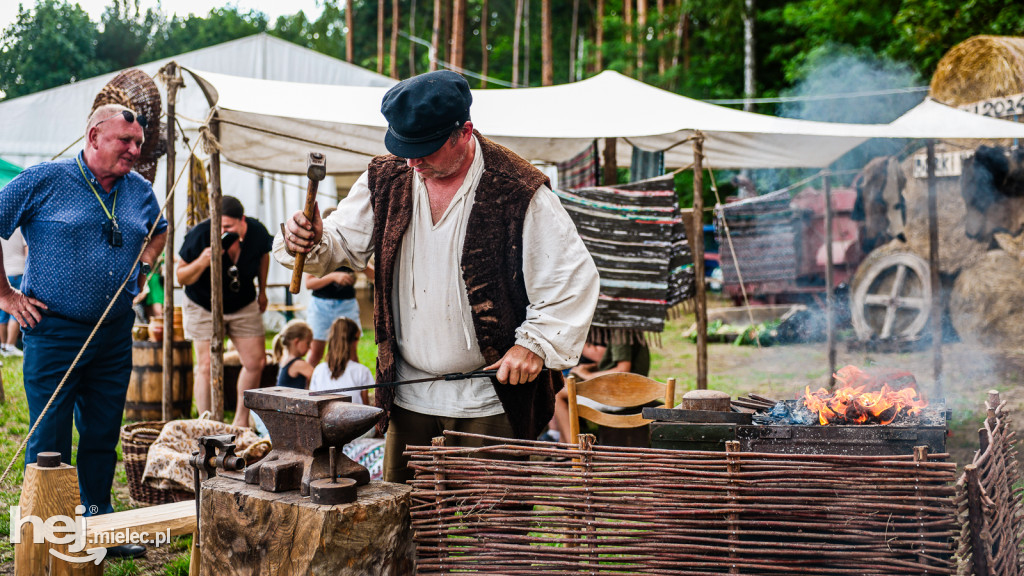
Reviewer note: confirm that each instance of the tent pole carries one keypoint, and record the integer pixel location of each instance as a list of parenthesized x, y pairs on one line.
[(697, 246), (216, 282), (173, 83), (611, 167), (933, 265), (830, 293)]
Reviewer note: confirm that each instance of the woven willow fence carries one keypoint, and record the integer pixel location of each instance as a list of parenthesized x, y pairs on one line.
[(502, 509), (989, 501)]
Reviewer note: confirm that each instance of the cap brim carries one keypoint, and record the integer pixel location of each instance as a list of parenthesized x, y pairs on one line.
[(404, 149)]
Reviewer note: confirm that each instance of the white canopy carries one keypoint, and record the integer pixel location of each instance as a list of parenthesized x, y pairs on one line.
[(270, 125)]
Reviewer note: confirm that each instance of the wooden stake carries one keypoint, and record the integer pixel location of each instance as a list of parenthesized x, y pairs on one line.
[(168, 363), (611, 166), (216, 284), (697, 247), (933, 265), (830, 292), (47, 492)]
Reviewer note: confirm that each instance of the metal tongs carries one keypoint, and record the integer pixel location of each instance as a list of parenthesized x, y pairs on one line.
[(446, 377)]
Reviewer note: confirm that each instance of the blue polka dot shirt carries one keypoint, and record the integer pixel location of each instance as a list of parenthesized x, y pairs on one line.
[(71, 266)]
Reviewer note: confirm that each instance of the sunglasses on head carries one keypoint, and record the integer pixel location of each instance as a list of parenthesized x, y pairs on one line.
[(129, 117)]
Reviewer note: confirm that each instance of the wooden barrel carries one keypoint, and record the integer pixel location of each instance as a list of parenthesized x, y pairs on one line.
[(146, 387)]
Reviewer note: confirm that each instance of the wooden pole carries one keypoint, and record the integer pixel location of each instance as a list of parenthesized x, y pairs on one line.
[(933, 265), (168, 363), (349, 41), (976, 520), (697, 246), (830, 292), (611, 167), (216, 283), (435, 36)]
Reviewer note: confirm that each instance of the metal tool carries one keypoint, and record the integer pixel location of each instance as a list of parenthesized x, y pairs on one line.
[(304, 429), (316, 170), (215, 452), (446, 377), (333, 490)]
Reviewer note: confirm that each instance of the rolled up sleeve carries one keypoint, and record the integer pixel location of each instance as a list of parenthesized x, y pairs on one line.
[(347, 238), (561, 281)]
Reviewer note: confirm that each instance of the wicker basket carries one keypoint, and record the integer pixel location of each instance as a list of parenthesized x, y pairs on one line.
[(135, 442)]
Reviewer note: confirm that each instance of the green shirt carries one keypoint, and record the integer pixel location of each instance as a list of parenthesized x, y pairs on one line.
[(639, 356)]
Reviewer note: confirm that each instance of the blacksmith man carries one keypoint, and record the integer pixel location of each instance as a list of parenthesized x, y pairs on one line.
[(477, 265)]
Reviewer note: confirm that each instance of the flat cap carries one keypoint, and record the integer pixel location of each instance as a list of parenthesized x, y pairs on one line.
[(422, 112)]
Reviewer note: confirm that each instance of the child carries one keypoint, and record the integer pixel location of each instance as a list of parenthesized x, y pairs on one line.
[(289, 348), (341, 369)]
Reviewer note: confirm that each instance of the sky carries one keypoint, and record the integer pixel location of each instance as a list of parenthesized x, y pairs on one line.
[(272, 8)]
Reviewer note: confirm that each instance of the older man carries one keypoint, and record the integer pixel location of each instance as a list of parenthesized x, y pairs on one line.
[(477, 264), (86, 220)]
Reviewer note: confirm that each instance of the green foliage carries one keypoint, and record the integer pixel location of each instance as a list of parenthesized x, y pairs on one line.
[(49, 45), (926, 29), (194, 32)]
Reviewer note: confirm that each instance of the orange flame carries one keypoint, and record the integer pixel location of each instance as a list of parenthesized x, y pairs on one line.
[(863, 398)]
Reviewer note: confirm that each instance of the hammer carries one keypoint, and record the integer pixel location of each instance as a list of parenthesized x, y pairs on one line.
[(316, 170)]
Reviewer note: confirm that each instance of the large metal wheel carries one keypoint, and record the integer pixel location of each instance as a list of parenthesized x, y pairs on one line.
[(890, 296)]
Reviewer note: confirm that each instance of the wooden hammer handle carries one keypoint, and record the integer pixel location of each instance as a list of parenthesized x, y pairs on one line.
[(300, 258)]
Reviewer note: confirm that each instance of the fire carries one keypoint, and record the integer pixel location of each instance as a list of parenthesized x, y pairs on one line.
[(862, 398)]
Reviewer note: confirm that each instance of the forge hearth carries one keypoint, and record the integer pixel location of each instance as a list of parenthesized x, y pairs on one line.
[(898, 438)]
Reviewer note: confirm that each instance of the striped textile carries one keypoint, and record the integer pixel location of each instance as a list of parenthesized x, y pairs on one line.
[(581, 170), (646, 164), (764, 240), (636, 236)]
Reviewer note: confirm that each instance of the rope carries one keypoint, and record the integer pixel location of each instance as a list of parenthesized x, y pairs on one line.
[(145, 243)]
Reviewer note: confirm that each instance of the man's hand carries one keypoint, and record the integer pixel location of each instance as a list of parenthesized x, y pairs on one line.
[(518, 366), (22, 308), (342, 278), (301, 235), (262, 299)]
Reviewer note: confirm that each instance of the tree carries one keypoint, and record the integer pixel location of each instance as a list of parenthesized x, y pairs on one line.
[(126, 33), (49, 45), (195, 32)]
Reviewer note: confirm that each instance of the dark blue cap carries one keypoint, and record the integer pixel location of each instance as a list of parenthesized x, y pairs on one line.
[(422, 112)]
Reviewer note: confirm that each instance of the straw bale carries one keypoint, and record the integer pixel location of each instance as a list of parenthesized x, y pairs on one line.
[(978, 68), (987, 298), (956, 250)]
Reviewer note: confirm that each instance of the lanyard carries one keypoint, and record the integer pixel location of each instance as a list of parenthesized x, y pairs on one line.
[(109, 213)]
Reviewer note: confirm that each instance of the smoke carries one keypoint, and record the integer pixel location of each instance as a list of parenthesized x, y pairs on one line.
[(839, 70)]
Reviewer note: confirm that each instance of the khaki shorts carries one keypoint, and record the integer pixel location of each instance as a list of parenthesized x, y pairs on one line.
[(245, 323)]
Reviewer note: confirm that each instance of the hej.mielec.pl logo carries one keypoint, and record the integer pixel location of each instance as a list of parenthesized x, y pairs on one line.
[(71, 531)]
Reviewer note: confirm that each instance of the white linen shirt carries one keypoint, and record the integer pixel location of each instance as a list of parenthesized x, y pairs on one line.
[(434, 324)]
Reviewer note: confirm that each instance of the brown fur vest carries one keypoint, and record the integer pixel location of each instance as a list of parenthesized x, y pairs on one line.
[(491, 268)]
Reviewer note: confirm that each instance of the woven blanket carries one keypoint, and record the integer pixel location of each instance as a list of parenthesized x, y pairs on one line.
[(167, 464), (580, 170), (636, 236), (646, 164)]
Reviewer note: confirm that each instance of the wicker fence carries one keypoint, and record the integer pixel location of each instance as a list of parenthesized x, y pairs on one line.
[(989, 502), (511, 509)]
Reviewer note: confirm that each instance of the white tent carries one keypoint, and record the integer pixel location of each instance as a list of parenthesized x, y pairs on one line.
[(38, 126), (270, 124)]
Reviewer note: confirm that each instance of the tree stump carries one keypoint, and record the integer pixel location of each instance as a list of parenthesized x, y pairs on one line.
[(246, 531)]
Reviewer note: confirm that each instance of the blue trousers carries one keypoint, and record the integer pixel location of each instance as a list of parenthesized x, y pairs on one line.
[(93, 395)]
